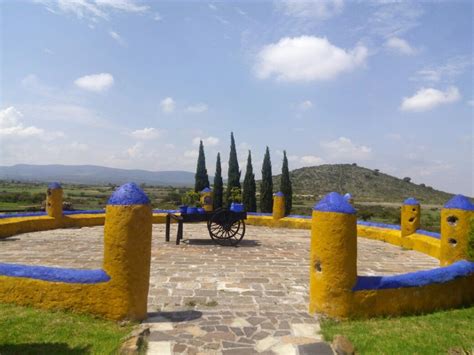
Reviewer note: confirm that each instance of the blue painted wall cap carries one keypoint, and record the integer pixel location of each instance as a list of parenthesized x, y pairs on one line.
[(128, 194), (411, 201), (54, 185), (460, 202), (348, 196), (334, 202), (279, 194), (207, 189)]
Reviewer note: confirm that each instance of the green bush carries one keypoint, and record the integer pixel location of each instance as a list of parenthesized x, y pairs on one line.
[(191, 198)]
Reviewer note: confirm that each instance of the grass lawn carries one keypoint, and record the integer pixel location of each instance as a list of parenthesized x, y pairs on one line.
[(26, 330), (427, 334)]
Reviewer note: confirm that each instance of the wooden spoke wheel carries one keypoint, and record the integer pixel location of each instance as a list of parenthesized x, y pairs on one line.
[(225, 229)]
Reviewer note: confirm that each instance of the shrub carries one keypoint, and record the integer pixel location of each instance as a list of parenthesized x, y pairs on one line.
[(191, 198)]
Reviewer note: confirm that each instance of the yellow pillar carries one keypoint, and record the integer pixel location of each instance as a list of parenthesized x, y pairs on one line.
[(278, 205), (206, 199), (410, 216), (127, 248), (457, 231), (333, 268), (54, 200)]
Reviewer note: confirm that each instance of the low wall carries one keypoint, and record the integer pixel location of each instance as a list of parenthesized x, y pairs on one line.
[(340, 294), (117, 291), (423, 243), (335, 288), (417, 292)]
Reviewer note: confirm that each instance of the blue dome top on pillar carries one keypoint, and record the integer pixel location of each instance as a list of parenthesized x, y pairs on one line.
[(207, 189), (279, 194), (54, 186), (411, 201), (460, 202), (334, 202), (128, 194)]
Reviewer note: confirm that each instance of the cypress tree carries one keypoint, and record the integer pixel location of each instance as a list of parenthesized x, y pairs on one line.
[(285, 185), (266, 187), (201, 177), (233, 179), (218, 184), (249, 196)]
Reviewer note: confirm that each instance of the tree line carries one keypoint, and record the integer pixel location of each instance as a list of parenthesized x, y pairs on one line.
[(249, 188)]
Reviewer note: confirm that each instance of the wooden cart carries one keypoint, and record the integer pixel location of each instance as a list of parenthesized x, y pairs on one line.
[(225, 227)]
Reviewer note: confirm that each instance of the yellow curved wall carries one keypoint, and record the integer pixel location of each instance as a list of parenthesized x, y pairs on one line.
[(114, 300)]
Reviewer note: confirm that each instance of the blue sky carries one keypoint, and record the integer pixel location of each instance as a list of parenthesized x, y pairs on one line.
[(136, 84)]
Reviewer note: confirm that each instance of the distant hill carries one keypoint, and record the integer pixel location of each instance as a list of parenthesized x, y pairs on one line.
[(364, 184), (91, 174)]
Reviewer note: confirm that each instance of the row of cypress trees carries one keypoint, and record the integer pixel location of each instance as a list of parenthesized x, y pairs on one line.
[(249, 186)]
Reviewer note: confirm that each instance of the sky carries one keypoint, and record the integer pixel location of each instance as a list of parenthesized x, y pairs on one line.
[(135, 84)]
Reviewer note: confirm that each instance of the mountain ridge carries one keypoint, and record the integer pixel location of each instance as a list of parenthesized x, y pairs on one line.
[(94, 174), (363, 183)]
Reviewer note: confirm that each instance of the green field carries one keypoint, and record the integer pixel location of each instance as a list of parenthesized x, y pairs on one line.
[(376, 212), (429, 334), (20, 196), (25, 330)]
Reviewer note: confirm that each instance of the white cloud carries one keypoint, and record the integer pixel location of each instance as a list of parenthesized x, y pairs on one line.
[(305, 105), (168, 105), (318, 9), (146, 133), (157, 17), (32, 83), (191, 153), (244, 146), (122, 5), (135, 151), (12, 127), (240, 11), (69, 113), (92, 9), (394, 18), (400, 46), (427, 99), (343, 149), (307, 58), (222, 20), (311, 160), (198, 108), (81, 147), (446, 72), (471, 102), (212, 7), (117, 38), (208, 141), (95, 82)]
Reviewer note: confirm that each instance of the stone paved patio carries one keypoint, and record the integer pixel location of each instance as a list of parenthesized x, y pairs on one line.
[(210, 299)]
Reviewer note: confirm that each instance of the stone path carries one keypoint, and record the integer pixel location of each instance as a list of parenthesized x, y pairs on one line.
[(207, 299)]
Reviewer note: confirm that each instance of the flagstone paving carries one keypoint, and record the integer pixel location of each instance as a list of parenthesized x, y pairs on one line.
[(208, 299)]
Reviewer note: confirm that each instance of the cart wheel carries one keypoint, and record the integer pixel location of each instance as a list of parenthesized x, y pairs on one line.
[(224, 229)]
